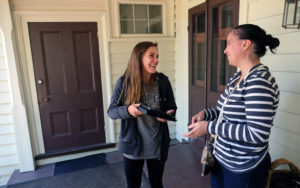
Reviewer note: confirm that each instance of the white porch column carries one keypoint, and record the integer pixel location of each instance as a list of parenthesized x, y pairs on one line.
[(26, 160)]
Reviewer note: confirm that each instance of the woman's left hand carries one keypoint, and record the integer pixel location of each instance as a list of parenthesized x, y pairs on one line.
[(197, 129), (164, 120)]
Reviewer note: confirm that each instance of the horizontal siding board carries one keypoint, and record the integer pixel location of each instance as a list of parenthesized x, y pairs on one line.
[(5, 109), (2, 63), (261, 9), (3, 74), (8, 170), (6, 129), (288, 81), (279, 151), (4, 87), (6, 119), (289, 43), (5, 98), (285, 138), (4, 179), (9, 160), (7, 139), (289, 102), (287, 121), (8, 150), (282, 62)]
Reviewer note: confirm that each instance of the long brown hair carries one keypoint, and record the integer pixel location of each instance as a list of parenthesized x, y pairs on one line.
[(133, 82)]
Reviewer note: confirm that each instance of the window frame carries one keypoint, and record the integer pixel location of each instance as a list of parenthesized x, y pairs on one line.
[(117, 19)]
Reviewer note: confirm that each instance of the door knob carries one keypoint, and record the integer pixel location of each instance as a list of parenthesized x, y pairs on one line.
[(40, 81), (46, 99)]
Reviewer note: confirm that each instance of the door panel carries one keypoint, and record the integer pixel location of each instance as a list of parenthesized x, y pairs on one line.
[(67, 73)]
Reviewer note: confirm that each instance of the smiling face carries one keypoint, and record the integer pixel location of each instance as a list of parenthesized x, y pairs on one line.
[(234, 49), (150, 60)]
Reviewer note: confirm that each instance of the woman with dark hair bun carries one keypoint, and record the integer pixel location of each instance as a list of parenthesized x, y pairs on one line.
[(143, 137), (244, 114)]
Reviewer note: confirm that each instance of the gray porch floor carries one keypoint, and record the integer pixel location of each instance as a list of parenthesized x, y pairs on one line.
[(106, 170)]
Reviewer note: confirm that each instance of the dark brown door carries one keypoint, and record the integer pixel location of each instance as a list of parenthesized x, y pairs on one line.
[(67, 74), (209, 70)]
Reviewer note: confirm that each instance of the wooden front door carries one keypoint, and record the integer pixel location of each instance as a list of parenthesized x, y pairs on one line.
[(68, 83), (209, 70)]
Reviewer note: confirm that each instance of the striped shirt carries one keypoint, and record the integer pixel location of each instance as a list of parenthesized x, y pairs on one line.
[(243, 134)]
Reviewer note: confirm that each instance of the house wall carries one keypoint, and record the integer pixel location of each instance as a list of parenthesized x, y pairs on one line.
[(284, 65), (8, 151)]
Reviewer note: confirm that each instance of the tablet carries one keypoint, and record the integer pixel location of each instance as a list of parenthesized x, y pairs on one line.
[(156, 113)]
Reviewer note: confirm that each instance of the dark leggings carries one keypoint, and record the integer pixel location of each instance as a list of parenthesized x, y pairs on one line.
[(134, 169)]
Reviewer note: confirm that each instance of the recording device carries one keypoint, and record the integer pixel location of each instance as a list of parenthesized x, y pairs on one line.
[(156, 113)]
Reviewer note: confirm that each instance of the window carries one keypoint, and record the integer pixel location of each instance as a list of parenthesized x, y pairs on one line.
[(140, 19)]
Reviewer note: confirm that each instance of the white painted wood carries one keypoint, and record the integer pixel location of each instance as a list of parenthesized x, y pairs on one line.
[(1, 50), (9, 160), (282, 62), (5, 109), (21, 134), (2, 63), (262, 9), (289, 102), (3, 75), (6, 140), (4, 179), (70, 5), (6, 119), (243, 12), (286, 138), (4, 86), (288, 81), (6, 129), (280, 151), (8, 150), (287, 122), (289, 42), (7, 170), (5, 98)]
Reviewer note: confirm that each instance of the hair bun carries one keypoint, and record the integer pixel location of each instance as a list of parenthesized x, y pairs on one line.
[(272, 42)]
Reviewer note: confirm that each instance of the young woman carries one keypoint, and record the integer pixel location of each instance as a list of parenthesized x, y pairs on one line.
[(242, 145), (143, 137)]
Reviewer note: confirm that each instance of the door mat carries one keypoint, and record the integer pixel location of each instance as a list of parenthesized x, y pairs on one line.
[(80, 164)]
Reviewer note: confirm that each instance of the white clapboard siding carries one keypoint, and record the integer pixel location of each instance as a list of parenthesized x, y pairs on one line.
[(5, 109), (290, 102), (6, 119), (4, 86), (5, 97), (282, 62), (2, 62), (279, 151), (6, 129), (1, 51), (8, 150), (7, 170), (3, 74), (7, 139), (262, 9), (65, 5), (287, 121), (9, 160), (288, 81), (289, 43)]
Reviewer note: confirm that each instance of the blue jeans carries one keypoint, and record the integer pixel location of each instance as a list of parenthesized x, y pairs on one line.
[(256, 178)]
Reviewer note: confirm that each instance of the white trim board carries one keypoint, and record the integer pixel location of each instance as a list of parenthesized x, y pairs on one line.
[(21, 19)]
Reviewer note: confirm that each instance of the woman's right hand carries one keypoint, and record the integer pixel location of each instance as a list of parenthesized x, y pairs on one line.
[(133, 110), (198, 117)]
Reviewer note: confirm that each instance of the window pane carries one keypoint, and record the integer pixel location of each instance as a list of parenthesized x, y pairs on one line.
[(200, 61), (201, 23), (126, 11), (227, 16), (155, 27), (214, 65), (140, 12), (127, 26), (141, 26), (155, 12)]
